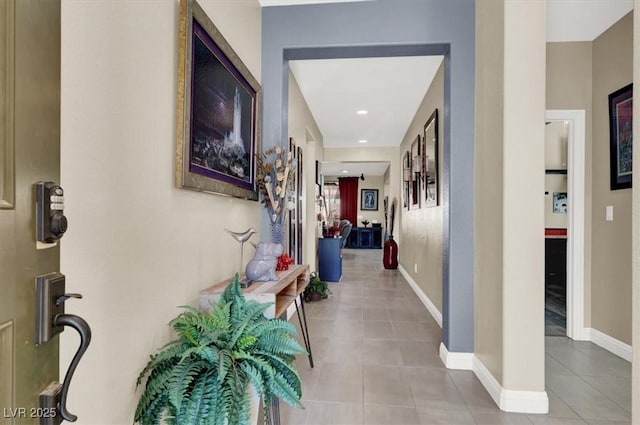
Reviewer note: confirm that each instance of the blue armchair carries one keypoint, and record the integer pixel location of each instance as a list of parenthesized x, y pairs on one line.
[(345, 230)]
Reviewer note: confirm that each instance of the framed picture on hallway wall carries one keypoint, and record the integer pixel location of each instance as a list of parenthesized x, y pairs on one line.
[(369, 199), (218, 112), (430, 163), (416, 172), (621, 137), (406, 178)]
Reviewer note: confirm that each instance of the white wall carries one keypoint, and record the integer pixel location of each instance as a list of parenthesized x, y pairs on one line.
[(137, 246)]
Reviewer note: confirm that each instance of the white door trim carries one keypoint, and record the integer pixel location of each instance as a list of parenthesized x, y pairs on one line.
[(576, 218)]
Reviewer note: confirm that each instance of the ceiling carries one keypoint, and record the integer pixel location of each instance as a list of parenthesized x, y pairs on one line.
[(354, 169), (266, 3), (391, 88), (583, 20)]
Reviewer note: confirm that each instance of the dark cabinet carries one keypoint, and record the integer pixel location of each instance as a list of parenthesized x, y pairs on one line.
[(556, 262), (330, 259), (365, 238)]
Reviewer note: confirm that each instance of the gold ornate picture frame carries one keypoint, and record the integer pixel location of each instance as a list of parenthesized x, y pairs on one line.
[(219, 111)]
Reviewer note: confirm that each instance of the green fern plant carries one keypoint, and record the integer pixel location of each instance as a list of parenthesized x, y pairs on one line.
[(316, 286), (202, 377)]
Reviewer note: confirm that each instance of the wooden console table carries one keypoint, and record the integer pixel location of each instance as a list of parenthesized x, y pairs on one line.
[(282, 292)]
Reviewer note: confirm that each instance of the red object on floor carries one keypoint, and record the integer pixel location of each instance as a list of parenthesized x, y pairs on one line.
[(390, 255), (283, 262)]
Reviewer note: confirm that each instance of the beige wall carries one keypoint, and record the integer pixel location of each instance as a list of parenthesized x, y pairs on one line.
[(488, 182), (611, 250), (305, 131), (137, 247), (569, 86), (371, 182), (555, 155), (580, 75), (635, 373), (421, 229), (523, 219), (387, 182), (509, 250)]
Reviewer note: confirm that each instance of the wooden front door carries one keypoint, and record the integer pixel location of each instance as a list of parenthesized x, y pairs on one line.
[(29, 152)]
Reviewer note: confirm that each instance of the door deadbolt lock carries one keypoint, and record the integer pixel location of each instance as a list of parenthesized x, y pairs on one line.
[(51, 222)]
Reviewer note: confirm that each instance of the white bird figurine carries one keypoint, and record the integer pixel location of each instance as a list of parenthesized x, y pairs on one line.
[(241, 237)]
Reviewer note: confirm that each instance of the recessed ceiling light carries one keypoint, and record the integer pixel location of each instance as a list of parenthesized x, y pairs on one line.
[(344, 171), (362, 112), (362, 141)]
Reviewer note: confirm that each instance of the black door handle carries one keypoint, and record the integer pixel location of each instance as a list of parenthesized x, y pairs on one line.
[(82, 327)]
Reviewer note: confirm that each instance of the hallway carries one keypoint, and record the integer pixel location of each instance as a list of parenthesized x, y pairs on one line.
[(376, 346)]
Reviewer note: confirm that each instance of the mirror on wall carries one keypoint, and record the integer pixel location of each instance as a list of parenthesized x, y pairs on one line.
[(430, 165)]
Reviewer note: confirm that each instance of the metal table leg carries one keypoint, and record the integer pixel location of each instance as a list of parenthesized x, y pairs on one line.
[(304, 328), (275, 411)]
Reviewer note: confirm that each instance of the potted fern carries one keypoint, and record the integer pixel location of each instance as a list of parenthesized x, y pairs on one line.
[(203, 376)]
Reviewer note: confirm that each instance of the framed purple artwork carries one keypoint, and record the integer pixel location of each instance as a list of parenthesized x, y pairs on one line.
[(621, 137), (218, 111)]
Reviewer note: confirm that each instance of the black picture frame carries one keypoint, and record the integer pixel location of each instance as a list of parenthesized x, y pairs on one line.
[(430, 161), (369, 199), (218, 111), (621, 137), (406, 179), (416, 173), (293, 214), (299, 206)]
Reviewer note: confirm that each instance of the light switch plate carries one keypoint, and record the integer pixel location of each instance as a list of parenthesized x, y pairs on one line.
[(609, 213)]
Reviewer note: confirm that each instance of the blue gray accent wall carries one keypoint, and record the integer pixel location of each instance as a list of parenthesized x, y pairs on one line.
[(384, 28)]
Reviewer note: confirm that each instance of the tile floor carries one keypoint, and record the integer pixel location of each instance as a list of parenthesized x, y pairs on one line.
[(375, 348)]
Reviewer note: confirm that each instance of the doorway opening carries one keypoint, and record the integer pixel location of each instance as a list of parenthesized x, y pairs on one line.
[(565, 223), (369, 222)]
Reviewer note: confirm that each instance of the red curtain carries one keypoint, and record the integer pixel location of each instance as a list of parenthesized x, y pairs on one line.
[(349, 199)]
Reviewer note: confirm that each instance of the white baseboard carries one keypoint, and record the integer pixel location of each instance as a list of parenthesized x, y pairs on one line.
[(510, 400), (456, 361), (437, 316), (609, 343)]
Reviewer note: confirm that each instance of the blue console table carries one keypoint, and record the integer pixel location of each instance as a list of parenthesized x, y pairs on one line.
[(330, 259)]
